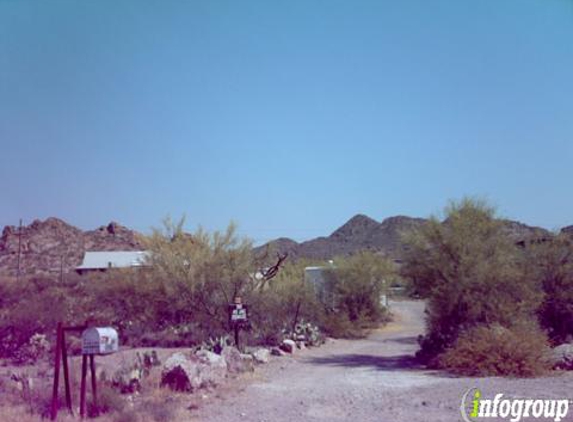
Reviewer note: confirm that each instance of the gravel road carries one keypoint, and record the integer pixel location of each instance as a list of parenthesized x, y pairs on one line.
[(373, 379)]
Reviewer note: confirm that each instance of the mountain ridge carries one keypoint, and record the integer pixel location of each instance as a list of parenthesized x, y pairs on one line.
[(365, 233), (52, 245)]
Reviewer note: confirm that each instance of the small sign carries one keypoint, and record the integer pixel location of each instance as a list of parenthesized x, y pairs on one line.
[(238, 314)]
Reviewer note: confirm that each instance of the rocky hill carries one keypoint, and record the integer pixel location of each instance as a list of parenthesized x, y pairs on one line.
[(47, 246), (567, 230), (364, 233), (359, 233)]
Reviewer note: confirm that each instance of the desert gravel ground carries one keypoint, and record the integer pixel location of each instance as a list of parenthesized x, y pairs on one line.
[(373, 379)]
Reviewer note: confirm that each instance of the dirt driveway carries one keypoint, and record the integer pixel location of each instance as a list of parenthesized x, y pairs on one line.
[(374, 379)]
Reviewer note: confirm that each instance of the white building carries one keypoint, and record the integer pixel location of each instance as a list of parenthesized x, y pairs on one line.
[(104, 260)]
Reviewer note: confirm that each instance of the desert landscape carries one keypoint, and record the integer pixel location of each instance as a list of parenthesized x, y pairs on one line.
[(359, 345), (313, 210)]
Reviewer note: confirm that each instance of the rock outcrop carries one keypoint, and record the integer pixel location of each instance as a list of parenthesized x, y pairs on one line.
[(190, 372), (47, 247), (563, 356)]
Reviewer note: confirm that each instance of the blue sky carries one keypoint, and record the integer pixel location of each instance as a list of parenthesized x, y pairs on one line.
[(288, 117)]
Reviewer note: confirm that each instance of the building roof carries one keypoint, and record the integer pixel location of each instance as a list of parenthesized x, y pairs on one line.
[(113, 259)]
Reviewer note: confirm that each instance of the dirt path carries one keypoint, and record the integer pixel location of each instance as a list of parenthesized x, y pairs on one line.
[(374, 379)]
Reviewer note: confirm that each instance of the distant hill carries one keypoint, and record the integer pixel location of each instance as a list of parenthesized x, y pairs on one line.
[(359, 233), (48, 245), (364, 233), (567, 230)]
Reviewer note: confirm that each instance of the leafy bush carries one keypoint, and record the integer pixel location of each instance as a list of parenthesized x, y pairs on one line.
[(495, 350), (34, 307), (281, 304), (340, 326), (35, 349), (355, 285), (554, 268), (471, 274)]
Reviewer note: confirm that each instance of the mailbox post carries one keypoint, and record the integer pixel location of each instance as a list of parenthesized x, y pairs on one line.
[(95, 341), (62, 358)]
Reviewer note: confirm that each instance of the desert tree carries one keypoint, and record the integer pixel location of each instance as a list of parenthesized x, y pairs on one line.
[(553, 266), (470, 274), (203, 271)]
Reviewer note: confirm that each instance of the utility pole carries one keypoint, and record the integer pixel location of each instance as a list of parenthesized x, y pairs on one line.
[(19, 251)]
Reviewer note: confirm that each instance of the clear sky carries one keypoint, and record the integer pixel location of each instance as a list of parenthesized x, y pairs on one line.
[(286, 116)]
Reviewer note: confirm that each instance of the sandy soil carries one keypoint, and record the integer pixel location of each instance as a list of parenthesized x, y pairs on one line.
[(375, 379)]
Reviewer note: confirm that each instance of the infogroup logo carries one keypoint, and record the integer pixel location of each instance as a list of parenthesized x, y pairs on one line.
[(476, 407)]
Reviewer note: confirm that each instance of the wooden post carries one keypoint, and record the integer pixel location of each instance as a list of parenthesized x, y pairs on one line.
[(54, 404), (237, 336), (66, 371), (83, 386), (94, 380), (19, 251)]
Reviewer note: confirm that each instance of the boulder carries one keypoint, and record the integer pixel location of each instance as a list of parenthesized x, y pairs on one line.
[(236, 362), (563, 356), (183, 372), (127, 378), (262, 355), (276, 351), (211, 358), (213, 368), (288, 346), (248, 362)]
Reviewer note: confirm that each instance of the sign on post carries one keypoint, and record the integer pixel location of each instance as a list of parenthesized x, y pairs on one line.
[(238, 312), (238, 317)]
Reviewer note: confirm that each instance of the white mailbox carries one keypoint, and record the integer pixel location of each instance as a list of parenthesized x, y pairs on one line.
[(99, 341)]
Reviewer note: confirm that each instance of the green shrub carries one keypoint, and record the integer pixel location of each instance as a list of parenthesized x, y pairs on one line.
[(340, 326), (554, 267), (496, 350), (471, 274), (284, 302), (33, 308), (354, 287)]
